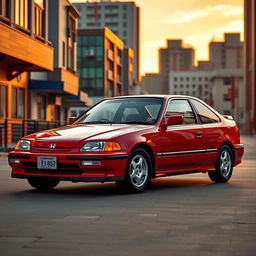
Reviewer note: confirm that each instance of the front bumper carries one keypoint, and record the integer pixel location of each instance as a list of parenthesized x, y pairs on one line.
[(69, 166)]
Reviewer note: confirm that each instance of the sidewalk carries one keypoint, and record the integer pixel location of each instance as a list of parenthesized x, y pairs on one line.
[(3, 154)]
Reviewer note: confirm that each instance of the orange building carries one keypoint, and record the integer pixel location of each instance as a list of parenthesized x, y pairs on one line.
[(24, 47)]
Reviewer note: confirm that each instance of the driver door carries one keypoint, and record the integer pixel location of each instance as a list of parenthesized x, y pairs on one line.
[(180, 146)]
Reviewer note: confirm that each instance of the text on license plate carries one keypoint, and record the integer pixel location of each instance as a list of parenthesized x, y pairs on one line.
[(47, 162)]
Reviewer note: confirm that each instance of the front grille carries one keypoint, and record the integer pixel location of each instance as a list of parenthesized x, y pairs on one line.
[(62, 168), (47, 149)]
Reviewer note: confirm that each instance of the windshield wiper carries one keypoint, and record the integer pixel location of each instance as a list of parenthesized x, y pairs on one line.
[(135, 122), (103, 121)]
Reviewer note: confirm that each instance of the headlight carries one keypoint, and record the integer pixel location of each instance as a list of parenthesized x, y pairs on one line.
[(101, 146), (23, 145)]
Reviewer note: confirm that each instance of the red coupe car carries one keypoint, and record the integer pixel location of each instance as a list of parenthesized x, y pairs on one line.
[(131, 140)]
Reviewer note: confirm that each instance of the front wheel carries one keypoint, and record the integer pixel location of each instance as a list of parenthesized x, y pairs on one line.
[(223, 167), (43, 183), (138, 172)]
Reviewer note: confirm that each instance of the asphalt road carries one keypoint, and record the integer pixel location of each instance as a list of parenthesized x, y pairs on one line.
[(179, 215)]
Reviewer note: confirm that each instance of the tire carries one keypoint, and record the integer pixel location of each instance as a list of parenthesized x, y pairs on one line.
[(138, 172), (223, 167), (43, 183)]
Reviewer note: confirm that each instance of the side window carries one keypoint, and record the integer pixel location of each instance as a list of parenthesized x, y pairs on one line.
[(205, 114), (181, 107)]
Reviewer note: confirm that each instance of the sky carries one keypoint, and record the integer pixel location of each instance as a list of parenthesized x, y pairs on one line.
[(197, 22)]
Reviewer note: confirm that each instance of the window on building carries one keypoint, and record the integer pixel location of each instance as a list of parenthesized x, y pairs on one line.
[(41, 107), (181, 78), (226, 97), (4, 8), (3, 101), (204, 113), (200, 79), (21, 13), (63, 54), (39, 10), (181, 107), (175, 78), (18, 103), (175, 85), (227, 81), (187, 78), (72, 34), (14, 102), (181, 85)]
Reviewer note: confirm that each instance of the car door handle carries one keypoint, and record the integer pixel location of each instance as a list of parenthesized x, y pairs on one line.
[(199, 133)]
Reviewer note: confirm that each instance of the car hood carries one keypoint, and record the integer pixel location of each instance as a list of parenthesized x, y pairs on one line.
[(75, 135)]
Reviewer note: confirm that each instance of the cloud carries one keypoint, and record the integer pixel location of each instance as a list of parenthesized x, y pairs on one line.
[(217, 10)]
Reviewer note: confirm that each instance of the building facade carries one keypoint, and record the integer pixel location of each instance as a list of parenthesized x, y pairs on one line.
[(50, 91), (175, 57), (228, 93), (228, 88), (100, 63), (122, 18), (250, 65), (151, 83), (24, 47), (192, 83), (227, 54)]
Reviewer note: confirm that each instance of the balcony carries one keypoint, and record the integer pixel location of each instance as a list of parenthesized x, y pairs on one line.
[(110, 54), (60, 82), (22, 52), (110, 75)]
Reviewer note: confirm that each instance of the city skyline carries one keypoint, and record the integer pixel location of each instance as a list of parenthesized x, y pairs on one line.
[(196, 22)]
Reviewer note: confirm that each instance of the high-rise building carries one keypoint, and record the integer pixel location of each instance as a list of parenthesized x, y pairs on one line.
[(228, 53), (250, 65), (50, 91), (175, 57), (122, 18), (226, 59), (24, 47), (100, 63)]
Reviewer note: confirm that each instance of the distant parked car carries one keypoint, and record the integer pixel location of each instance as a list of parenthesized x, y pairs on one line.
[(131, 140)]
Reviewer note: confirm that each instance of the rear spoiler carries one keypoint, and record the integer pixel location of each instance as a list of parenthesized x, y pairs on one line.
[(228, 117)]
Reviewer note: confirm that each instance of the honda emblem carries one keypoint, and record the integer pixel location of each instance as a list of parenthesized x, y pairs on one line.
[(52, 146)]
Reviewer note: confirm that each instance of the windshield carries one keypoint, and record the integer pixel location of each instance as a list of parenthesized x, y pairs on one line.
[(124, 111)]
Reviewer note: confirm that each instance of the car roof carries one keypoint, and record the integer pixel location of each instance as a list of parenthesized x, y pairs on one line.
[(165, 96)]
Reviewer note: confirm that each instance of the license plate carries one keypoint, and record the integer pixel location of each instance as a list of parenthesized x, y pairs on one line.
[(47, 162)]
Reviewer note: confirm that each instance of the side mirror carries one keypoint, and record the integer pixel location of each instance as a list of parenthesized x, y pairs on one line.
[(71, 120), (173, 120)]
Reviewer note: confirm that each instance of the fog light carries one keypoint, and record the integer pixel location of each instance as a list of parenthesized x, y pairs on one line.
[(91, 163), (15, 160)]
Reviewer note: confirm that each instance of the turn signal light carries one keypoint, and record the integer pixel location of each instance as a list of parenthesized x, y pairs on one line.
[(112, 146)]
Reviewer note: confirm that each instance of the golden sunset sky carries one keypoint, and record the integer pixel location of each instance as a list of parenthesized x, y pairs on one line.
[(197, 22)]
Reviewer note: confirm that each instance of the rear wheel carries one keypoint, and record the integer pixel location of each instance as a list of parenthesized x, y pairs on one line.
[(223, 167), (43, 183), (138, 172)]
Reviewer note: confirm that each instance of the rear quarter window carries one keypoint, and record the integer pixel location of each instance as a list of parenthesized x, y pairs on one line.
[(205, 115)]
